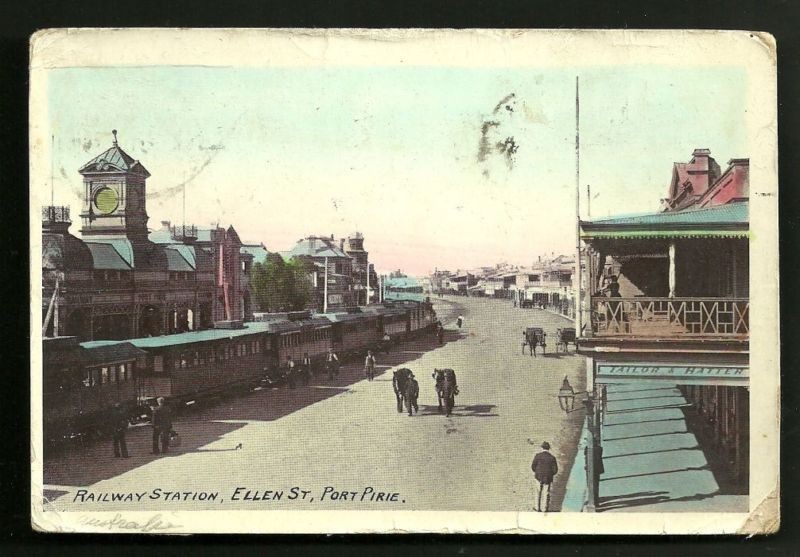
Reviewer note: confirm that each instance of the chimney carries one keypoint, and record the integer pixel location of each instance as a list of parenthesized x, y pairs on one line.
[(341, 244), (331, 237), (165, 225)]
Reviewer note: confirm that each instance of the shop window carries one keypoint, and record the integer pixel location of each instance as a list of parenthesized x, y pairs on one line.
[(123, 375), (103, 375)]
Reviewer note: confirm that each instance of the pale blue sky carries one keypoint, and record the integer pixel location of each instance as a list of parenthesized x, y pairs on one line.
[(283, 153)]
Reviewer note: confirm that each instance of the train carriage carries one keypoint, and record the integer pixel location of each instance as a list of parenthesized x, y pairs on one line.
[(301, 336), (187, 365), (355, 333), (81, 383)]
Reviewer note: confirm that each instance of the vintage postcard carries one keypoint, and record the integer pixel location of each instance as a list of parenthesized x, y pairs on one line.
[(359, 281)]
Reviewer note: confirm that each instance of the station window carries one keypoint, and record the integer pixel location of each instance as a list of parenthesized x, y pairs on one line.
[(202, 359), (87, 379), (196, 358), (123, 372), (183, 361), (103, 375), (212, 357), (158, 364), (112, 374)]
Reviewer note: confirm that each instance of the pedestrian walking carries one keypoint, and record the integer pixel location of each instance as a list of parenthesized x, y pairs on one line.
[(411, 393), (369, 366), (119, 423), (307, 370), (291, 375), (440, 334), (545, 467), (332, 364), (162, 426), (460, 321)]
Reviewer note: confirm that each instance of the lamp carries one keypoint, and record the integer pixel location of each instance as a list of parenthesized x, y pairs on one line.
[(566, 396)]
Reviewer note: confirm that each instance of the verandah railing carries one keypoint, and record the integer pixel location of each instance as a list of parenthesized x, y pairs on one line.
[(667, 317)]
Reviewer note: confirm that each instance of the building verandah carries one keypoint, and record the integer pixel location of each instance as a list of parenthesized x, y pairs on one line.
[(655, 278)]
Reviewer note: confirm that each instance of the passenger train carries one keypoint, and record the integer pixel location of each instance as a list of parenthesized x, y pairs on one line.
[(82, 381)]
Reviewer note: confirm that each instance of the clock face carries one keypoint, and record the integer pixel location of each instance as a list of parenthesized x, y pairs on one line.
[(106, 200)]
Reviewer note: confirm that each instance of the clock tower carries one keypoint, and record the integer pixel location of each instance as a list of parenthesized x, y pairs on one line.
[(114, 195)]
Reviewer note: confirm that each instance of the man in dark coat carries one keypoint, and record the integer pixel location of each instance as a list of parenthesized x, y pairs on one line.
[(119, 423), (411, 393), (162, 426), (544, 467)]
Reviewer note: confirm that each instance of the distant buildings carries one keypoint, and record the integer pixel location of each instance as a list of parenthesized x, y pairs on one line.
[(338, 282)]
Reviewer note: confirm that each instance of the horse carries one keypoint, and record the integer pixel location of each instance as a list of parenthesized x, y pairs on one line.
[(446, 389), (411, 394), (531, 338), (399, 381)]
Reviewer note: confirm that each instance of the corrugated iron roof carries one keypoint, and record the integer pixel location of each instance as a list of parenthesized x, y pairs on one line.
[(105, 257), (732, 213), (188, 338), (110, 353), (259, 252), (123, 246), (176, 260)]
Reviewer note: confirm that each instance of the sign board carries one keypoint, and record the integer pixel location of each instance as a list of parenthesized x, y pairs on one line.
[(680, 374)]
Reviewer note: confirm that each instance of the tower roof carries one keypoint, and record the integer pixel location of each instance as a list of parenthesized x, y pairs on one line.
[(114, 160)]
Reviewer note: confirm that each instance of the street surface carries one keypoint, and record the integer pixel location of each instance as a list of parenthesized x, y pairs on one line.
[(344, 442)]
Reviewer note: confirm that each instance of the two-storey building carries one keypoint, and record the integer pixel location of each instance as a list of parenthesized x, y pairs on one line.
[(668, 303)]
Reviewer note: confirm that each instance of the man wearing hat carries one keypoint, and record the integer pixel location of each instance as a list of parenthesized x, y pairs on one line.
[(544, 467)]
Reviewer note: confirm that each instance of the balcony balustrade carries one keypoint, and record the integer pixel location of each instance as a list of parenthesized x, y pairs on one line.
[(670, 317)]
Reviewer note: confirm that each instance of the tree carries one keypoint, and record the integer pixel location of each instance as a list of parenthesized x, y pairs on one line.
[(281, 286)]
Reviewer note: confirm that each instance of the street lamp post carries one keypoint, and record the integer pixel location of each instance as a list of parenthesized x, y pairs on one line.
[(594, 450)]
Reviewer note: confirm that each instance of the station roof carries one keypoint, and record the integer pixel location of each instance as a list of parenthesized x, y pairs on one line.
[(729, 220), (106, 257)]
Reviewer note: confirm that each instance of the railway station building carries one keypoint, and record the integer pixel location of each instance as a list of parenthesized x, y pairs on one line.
[(121, 280)]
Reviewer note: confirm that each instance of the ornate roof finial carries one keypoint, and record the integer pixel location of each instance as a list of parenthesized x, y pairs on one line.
[(115, 137)]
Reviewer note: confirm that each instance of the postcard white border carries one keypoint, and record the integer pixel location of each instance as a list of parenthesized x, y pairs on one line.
[(752, 51)]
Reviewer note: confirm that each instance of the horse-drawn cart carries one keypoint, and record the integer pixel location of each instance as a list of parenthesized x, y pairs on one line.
[(566, 336), (533, 337)]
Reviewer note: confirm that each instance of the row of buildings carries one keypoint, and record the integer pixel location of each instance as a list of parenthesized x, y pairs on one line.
[(121, 279), (548, 282)]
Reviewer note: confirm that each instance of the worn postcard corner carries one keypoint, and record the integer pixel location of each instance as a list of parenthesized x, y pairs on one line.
[(405, 281)]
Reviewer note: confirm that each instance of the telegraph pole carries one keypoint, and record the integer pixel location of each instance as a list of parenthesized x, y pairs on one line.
[(578, 316), (325, 289)]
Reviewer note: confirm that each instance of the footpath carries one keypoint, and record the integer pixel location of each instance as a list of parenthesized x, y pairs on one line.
[(652, 462)]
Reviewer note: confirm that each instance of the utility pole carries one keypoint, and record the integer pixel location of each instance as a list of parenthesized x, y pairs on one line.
[(578, 316), (325, 289), (588, 202)]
